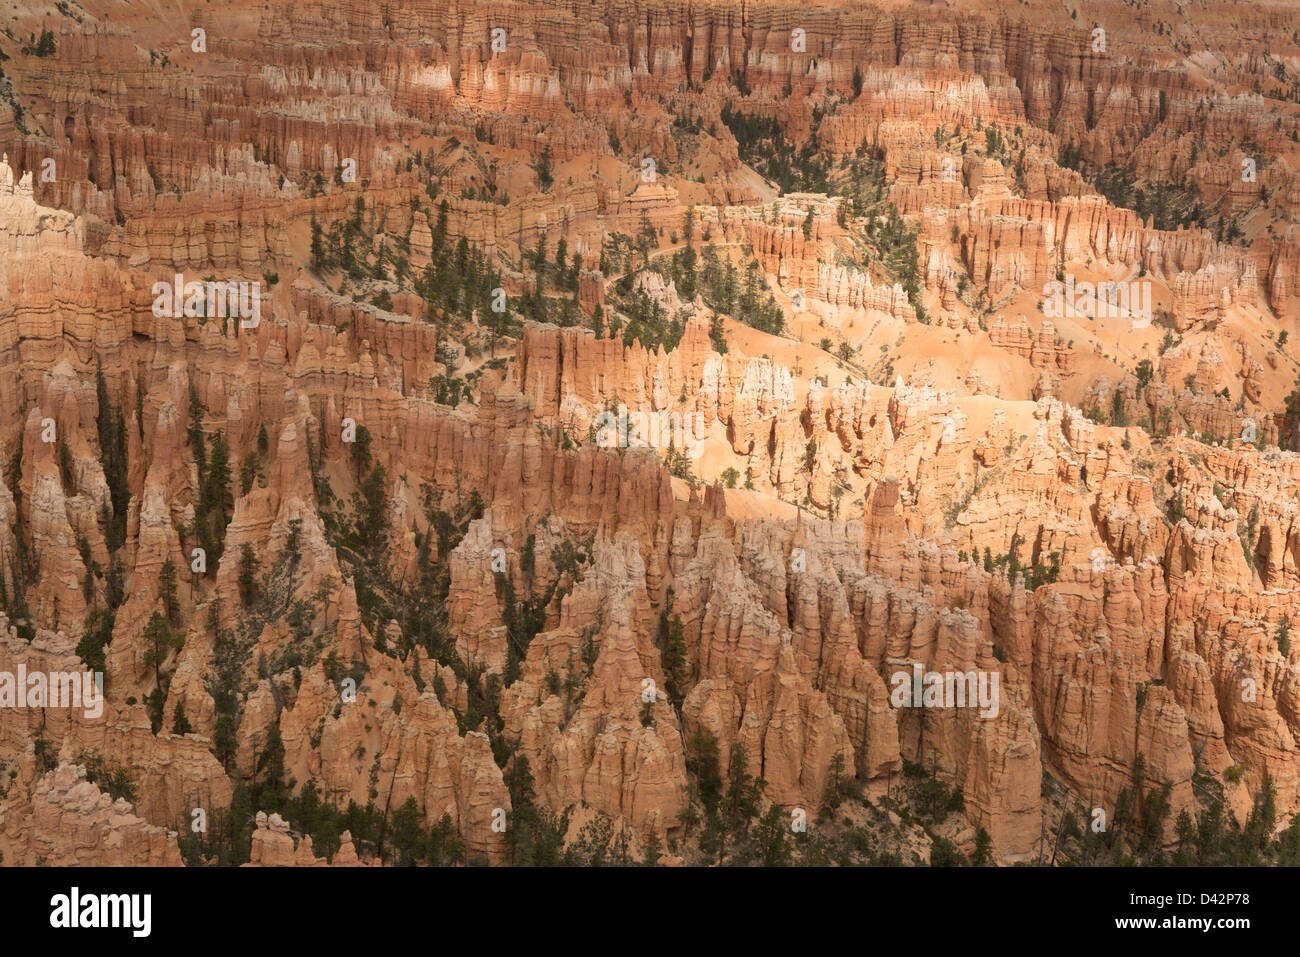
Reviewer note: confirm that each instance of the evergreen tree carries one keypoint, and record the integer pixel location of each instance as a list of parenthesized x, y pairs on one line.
[(743, 790), (539, 264), (112, 446), (718, 335), (1263, 816), (654, 849), (273, 791), (248, 473), (139, 406), (561, 257), (837, 788), (180, 723), (220, 499), (674, 661), (360, 451), (167, 585), (406, 837), (159, 642), (201, 528), (45, 45), (1185, 855), (248, 566), (318, 257), (98, 633), (194, 434), (445, 846), (1288, 844), (769, 838), (702, 761), (374, 502), (943, 853)]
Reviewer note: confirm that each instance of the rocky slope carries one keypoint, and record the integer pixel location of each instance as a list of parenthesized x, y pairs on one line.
[(487, 433)]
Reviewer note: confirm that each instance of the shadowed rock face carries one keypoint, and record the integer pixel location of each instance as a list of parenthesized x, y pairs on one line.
[(523, 422)]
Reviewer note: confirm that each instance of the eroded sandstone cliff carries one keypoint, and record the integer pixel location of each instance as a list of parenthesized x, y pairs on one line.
[(530, 428)]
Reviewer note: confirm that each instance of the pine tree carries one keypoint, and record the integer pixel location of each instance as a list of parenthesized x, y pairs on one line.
[(409, 844), (769, 836), (180, 723), (360, 451), (112, 446), (743, 790), (440, 230), (718, 335), (702, 761), (836, 787), (561, 258), (445, 847), (167, 585), (194, 434), (653, 850), (219, 497), (317, 245), (539, 260), (248, 473), (248, 566), (139, 406), (273, 792), (674, 661), (153, 706), (98, 633), (159, 642)]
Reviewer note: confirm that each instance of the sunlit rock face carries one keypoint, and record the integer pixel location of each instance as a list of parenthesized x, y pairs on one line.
[(534, 427)]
